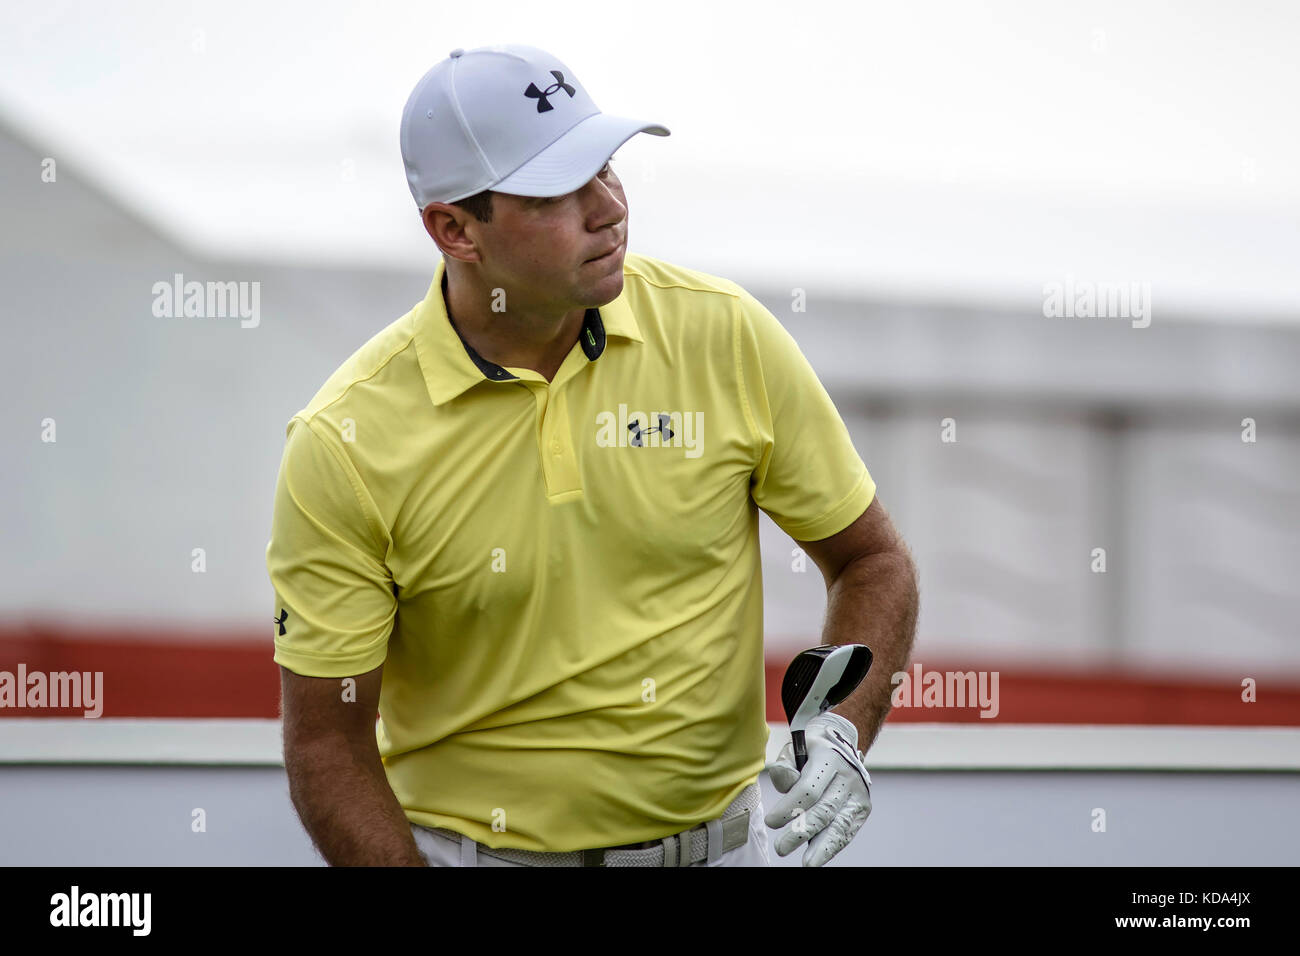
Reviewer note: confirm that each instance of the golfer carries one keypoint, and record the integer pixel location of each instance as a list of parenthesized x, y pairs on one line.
[(520, 524)]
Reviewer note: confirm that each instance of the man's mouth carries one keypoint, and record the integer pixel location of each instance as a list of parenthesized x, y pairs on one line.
[(607, 254)]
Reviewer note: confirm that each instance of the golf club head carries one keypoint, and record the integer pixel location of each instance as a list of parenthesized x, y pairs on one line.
[(821, 677)]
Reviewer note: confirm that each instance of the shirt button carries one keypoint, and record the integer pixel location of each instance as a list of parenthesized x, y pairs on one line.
[(555, 447)]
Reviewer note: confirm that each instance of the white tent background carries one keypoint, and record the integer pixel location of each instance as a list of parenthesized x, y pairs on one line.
[(935, 149)]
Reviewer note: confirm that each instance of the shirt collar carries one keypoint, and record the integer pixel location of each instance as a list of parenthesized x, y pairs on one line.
[(450, 364)]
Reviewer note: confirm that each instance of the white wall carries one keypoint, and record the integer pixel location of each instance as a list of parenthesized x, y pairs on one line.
[(1198, 805)]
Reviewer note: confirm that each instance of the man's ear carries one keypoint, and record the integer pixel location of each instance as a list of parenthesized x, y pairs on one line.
[(447, 226)]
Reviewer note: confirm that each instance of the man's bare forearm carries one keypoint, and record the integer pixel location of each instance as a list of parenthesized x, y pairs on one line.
[(342, 796), (874, 601)]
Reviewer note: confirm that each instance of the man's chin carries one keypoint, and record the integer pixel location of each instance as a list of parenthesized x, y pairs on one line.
[(606, 290)]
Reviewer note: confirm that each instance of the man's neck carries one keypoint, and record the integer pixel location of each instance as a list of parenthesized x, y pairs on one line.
[(511, 339)]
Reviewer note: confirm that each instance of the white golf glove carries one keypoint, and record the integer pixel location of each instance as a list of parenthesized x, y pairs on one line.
[(833, 791)]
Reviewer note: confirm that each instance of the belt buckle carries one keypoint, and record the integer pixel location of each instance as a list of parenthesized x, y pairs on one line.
[(677, 849), (680, 844)]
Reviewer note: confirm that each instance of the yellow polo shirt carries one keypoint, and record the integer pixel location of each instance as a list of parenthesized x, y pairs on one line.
[(561, 579)]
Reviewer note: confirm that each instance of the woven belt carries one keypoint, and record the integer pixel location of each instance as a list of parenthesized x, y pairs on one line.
[(707, 841)]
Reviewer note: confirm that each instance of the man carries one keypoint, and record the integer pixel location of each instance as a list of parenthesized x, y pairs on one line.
[(521, 524)]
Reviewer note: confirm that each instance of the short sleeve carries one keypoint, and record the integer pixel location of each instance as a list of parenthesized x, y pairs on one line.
[(335, 602), (808, 477)]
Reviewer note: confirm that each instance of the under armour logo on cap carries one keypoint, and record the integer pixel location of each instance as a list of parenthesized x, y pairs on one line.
[(543, 104), (461, 132)]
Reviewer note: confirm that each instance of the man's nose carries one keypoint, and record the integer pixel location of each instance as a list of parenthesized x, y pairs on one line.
[(606, 200)]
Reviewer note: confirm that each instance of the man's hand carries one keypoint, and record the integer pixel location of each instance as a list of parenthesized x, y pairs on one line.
[(833, 791)]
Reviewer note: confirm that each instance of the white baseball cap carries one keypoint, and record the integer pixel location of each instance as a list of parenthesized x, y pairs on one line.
[(510, 118)]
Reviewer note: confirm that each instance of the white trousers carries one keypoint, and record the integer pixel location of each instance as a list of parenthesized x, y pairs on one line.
[(441, 850)]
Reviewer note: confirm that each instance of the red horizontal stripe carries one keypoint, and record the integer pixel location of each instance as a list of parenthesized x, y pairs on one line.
[(148, 673), (1046, 695)]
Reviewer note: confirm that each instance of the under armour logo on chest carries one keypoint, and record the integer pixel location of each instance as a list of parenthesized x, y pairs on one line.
[(543, 104), (665, 433)]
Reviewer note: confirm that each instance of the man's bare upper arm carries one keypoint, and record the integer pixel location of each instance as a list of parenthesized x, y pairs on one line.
[(872, 533), (317, 707)]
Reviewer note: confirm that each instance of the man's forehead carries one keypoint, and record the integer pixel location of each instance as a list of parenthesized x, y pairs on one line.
[(522, 200)]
